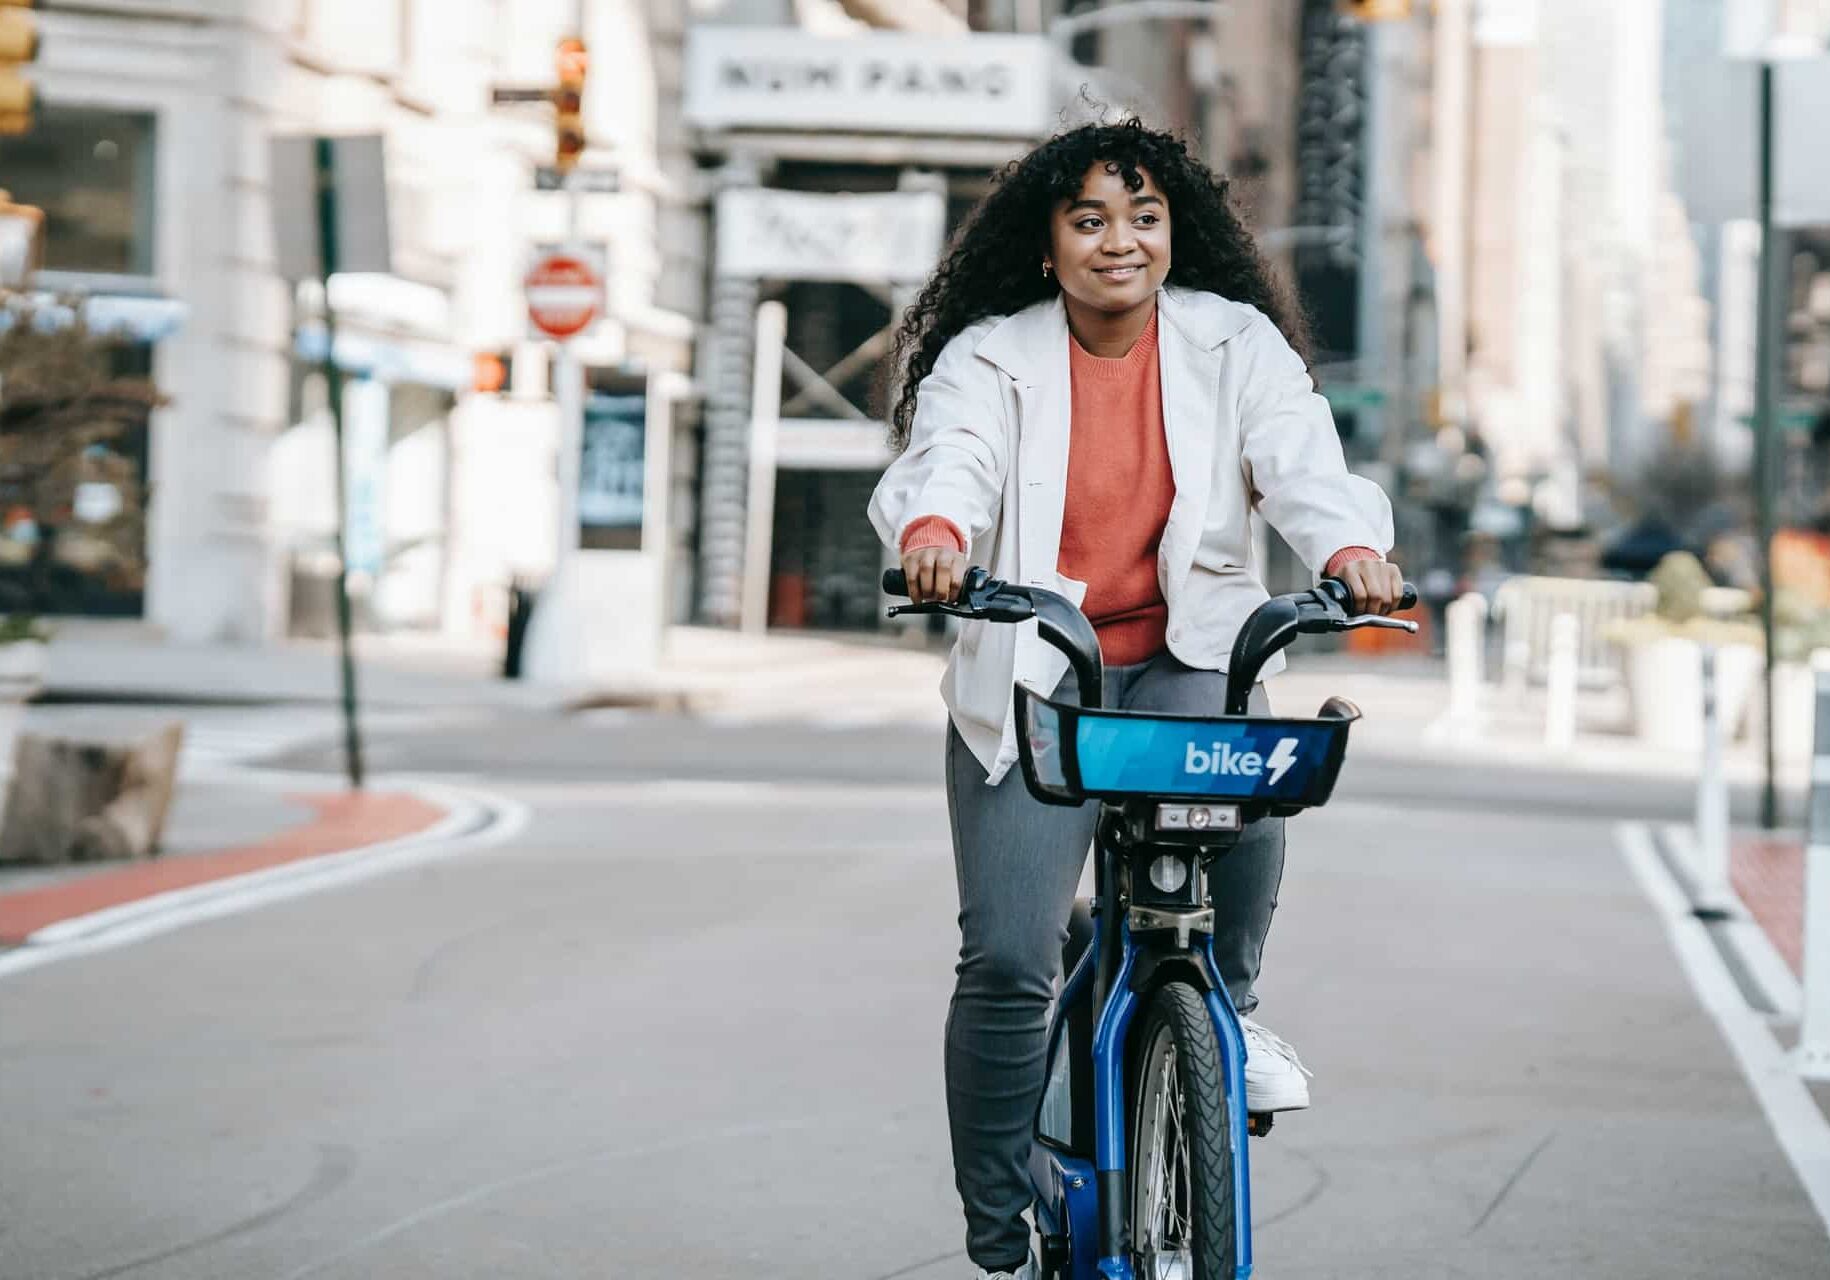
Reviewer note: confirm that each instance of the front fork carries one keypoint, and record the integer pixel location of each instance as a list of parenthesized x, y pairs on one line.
[(1109, 1039)]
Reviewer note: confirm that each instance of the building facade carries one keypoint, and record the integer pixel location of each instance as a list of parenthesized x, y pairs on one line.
[(153, 157)]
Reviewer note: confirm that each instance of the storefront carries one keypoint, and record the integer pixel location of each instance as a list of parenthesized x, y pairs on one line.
[(80, 545), (843, 166), (402, 376)]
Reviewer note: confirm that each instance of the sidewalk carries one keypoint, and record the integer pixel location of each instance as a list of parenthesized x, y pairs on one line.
[(1768, 873), (217, 830), (112, 662)]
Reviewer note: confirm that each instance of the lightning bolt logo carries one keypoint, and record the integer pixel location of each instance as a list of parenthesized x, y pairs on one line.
[(1281, 759)]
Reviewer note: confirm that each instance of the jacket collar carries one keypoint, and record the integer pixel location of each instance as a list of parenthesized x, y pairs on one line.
[(1024, 345)]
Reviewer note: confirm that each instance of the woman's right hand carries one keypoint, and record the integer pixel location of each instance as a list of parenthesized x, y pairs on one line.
[(934, 573)]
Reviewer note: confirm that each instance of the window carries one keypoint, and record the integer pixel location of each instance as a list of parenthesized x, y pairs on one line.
[(92, 173)]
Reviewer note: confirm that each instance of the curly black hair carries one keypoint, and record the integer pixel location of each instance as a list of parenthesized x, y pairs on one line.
[(993, 266)]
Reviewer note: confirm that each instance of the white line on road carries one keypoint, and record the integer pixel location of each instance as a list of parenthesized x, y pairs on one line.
[(1766, 968), (473, 820), (1800, 1127), (689, 793)]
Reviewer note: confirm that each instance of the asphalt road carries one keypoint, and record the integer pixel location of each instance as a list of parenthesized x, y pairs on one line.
[(688, 1026)]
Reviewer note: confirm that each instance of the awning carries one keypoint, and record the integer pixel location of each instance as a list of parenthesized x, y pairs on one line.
[(137, 319), (387, 359)]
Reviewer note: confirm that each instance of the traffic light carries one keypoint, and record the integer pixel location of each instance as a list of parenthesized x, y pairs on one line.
[(571, 61), (492, 371), (21, 242), (1376, 10), (18, 45)]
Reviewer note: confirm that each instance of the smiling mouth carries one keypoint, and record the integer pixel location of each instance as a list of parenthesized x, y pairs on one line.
[(1117, 272)]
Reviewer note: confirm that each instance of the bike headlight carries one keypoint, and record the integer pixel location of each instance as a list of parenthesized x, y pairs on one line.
[(1197, 817), (1169, 873)]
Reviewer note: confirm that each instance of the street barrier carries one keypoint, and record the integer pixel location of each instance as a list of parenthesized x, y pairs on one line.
[(1466, 646), (1560, 681), (1814, 1036), (1526, 606), (1714, 896)]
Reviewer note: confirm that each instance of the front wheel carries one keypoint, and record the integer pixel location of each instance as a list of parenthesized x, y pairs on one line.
[(1182, 1224)]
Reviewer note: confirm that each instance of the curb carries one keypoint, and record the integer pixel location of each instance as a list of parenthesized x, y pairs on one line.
[(471, 820), (1798, 1124)]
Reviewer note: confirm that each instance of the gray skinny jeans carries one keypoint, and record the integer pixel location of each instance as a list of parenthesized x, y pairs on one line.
[(1019, 863)]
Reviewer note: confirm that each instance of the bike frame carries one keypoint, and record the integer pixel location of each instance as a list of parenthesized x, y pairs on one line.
[(1092, 1203)]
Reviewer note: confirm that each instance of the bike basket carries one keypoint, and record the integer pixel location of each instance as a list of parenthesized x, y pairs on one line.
[(1072, 753)]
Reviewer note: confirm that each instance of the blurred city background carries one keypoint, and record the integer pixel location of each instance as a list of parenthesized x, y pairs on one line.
[(537, 353)]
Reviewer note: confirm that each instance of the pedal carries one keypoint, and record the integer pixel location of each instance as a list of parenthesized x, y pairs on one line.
[(1258, 1123)]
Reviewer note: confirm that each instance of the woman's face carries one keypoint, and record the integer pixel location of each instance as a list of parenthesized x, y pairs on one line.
[(1109, 246)]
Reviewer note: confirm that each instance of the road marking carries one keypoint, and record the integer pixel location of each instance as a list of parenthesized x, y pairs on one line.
[(1793, 1114), (1765, 966), (474, 820), (689, 793)]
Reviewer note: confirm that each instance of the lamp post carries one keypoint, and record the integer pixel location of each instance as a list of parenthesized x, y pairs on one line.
[(1779, 33), (1766, 359)]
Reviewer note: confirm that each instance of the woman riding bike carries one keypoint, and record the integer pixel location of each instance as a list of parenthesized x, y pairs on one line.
[(1102, 382)]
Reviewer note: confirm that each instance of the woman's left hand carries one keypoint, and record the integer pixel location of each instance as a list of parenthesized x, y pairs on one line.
[(1377, 585)]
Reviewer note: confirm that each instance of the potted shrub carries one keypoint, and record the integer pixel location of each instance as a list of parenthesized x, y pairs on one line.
[(1664, 659)]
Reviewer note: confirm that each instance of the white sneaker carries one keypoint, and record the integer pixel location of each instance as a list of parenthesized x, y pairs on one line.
[(1275, 1078), (1025, 1272)]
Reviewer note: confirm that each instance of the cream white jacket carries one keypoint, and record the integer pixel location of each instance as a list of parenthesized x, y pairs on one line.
[(988, 450)]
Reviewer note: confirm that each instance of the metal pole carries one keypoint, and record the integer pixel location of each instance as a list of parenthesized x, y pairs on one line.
[(1714, 895), (1766, 356), (765, 420), (333, 385), (1375, 145), (1466, 619), (569, 387), (1452, 126), (1560, 681), (1814, 1034)]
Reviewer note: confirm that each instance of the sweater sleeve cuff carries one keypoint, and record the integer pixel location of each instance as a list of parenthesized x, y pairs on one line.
[(933, 531), (1346, 556)]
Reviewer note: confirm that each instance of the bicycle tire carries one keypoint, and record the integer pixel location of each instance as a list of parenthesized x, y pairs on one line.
[(1177, 1037)]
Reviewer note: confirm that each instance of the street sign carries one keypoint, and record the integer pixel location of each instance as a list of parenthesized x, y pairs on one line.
[(584, 182), (1348, 396), (359, 175), (565, 290), (1795, 419)]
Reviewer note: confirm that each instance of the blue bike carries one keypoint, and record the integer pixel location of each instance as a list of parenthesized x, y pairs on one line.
[(1140, 1162)]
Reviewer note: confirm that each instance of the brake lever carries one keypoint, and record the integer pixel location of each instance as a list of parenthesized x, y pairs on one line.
[(1379, 620), (933, 606)]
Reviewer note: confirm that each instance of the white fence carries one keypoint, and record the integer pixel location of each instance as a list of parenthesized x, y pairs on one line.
[(1526, 607)]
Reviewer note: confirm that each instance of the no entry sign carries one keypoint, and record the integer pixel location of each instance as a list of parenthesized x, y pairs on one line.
[(565, 291)]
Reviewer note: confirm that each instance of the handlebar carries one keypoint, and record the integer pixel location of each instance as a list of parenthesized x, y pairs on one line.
[(896, 583), (1268, 630)]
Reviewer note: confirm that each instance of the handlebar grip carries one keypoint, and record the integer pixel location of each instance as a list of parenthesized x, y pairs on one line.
[(1344, 597), (895, 583)]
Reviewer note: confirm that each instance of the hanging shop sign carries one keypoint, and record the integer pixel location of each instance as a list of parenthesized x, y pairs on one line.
[(779, 78), (800, 235)]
